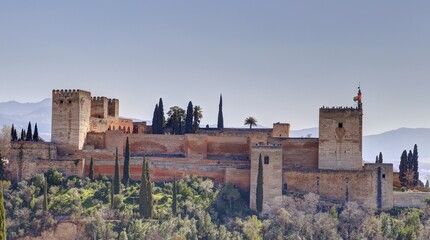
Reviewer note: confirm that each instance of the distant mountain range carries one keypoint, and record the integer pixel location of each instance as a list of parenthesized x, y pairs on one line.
[(391, 143)]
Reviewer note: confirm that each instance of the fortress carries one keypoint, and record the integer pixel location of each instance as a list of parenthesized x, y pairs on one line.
[(85, 127)]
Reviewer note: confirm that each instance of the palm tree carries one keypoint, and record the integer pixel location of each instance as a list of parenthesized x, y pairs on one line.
[(251, 121)]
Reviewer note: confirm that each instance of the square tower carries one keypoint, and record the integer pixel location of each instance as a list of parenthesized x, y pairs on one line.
[(340, 138), (271, 157), (71, 110)]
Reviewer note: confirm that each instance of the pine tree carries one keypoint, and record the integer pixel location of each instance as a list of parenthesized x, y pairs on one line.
[(148, 191), (189, 118), (174, 198), (220, 124), (161, 119), (91, 173), (427, 184), (116, 184), (45, 195), (403, 167), (126, 171), (29, 137), (380, 160), (259, 192), (142, 192), (36, 133), (2, 218), (415, 165), (2, 169), (155, 120)]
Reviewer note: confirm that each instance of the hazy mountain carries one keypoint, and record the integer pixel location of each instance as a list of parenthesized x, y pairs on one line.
[(391, 143)]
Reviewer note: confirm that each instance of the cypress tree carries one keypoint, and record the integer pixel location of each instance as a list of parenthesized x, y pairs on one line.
[(45, 195), (111, 193), (116, 184), (220, 124), (380, 160), (155, 120), (377, 159), (29, 137), (24, 135), (259, 192), (148, 191), (174, 198), (36, 133), (2, 169), (189, 118), (126, 171), (22, 138), (12, 136), (427, 184), (142, 192), (91, 173), (161, 119), (15, 135), (415, 165), (2, 218), (410, 161), (403, 167)]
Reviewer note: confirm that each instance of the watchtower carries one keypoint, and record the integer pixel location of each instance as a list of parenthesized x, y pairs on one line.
[(71, 110), (341, 137), (271, 157)]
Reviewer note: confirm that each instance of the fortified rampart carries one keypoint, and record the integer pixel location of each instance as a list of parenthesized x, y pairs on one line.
[(85, 127)]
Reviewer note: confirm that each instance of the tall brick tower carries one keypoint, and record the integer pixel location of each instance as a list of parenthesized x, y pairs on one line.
[(340, 137), (272, 173), (71, 110)]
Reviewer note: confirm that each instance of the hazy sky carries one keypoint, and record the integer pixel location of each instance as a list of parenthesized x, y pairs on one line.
[(274, 60)]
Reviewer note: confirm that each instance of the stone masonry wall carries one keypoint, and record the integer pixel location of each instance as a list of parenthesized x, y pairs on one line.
[(410, 199), (298, 153), (340, 139)]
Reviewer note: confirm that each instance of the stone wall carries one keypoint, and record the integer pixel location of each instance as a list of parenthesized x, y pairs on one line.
[(96, 140), (340, 138), (410, 199), (383, 183), (71, 111), (29, 158), (272, 174), (298, 153), (239, 177), (336, 185), (227, 147)]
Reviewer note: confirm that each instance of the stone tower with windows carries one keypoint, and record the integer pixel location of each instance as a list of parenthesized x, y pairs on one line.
[(71, 110), (340, 137), (272, 174)]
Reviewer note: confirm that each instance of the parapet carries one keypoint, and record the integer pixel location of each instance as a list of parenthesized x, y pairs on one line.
[(113, 107), (266, 146), (67, 92), (339, 108)]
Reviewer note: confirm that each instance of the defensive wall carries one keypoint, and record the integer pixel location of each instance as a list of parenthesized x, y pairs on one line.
[(410, 199)]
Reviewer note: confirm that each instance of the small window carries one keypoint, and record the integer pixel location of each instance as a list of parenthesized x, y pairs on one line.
[(383, 175), (70, 101), (266, 160), (61, 101), (340, 125), (285, 186)]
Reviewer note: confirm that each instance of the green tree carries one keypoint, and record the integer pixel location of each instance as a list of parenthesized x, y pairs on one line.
[(174, 198), (189, 118), (197, 116), (2, 218), (149, 191), (251, 121), (143, 198), (22, 138), (230, 194), (12, 133), (2, 169), (377, 159), (380, 159), (126, 170), (91, 173), (427, 184), (45, 195), (29, 136), (155, 120), (175, 120), (160, 118), (259, 190), (112, 193), (415, 165), (116, 183), (220, 124), (36, 133), (403, 168)]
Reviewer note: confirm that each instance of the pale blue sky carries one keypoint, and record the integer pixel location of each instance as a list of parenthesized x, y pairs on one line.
[(274, 60)]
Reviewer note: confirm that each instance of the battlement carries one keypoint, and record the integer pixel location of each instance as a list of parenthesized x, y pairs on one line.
[(266, 146), (67, 92), (98, 99), (339, 108)]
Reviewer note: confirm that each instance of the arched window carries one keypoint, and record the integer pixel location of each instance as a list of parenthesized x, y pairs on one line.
[(266, 160), (128, 130)]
